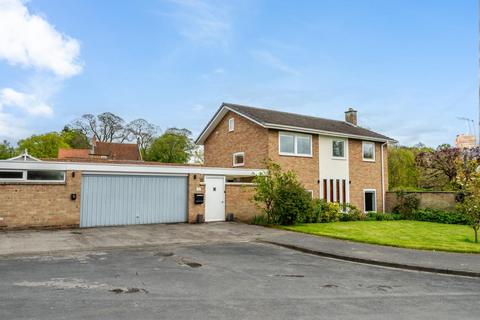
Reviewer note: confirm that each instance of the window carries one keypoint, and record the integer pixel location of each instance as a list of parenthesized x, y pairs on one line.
[(295, 144), (33, 176), (310, 192), (338, 148), (238, 159), (11, 175), (370, 200), (368, 151), (231, 124)]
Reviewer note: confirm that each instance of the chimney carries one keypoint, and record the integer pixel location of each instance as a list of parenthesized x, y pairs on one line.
[(351, 116), (94, 144)]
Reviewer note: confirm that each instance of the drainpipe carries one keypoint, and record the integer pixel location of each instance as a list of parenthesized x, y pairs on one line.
[(383, 178)]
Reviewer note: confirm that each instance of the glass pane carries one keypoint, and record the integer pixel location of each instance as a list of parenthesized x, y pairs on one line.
[(46, 175), (287, 144), (368, 150), (11, 175), (338, 149), (303, 145), (238, 158), (369, 201)]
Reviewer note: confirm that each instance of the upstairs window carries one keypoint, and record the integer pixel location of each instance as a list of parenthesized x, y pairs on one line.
[(231, 124), (368, 150), (239, 159), (338, 149), (294, 144)]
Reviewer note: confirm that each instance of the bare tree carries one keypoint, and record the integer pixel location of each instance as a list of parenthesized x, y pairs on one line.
[(105, 127), (142, 131)]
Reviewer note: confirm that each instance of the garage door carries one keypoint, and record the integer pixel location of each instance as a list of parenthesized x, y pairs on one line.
[(110, 200)]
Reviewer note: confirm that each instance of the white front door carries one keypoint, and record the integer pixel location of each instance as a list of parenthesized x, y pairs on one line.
[(214, 198)]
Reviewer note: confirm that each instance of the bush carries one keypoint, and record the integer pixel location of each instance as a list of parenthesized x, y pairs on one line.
[(439, 216), (260, 220), (408, 203), (375, 216), (352, 213), (281, 197), (323, 211)]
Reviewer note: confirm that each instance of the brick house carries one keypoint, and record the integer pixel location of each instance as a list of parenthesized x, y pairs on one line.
[(104, 150), (335, 160)]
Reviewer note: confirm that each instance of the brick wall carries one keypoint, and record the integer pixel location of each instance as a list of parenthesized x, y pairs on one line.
[(434, 200), (195, 186), (27, 205), (307, 168), (238, 201), (366, 174), (247, 137)]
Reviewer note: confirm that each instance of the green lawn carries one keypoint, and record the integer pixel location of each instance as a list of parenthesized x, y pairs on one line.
[(407, 234)]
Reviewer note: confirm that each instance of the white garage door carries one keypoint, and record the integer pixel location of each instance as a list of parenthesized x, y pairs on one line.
[(110, 200)]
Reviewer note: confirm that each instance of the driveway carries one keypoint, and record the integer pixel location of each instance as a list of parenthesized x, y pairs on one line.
[(47, 241), (217, 280)]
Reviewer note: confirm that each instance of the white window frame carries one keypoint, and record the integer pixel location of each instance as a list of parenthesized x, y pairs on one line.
[(238, 154), (295, 144), (310, 191), (24, 178), (374, 191), (231, 124), (364, 143), (344, 149)]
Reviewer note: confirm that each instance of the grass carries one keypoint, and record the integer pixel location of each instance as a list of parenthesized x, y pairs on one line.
[(405, 234)]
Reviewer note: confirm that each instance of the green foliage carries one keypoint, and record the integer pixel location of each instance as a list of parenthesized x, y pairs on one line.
[(6, 150), (407, 204), (440, 216), (469, 180), (44, 145), (75, 138), (174, 146), (402, 171), (377, 216), (281, 197), (260, 220), (352, 213)]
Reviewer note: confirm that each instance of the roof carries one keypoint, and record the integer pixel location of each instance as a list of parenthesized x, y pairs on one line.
[(73, 153), (118, 151), (292, 122)]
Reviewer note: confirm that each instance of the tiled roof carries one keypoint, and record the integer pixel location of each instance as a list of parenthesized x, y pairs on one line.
[(117, 151), (267, 117), (72, 153)]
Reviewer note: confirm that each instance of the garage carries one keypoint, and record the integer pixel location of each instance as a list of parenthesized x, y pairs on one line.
[(115, 199)]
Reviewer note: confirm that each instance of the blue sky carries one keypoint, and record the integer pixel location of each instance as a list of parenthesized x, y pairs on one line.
[(409, 67)]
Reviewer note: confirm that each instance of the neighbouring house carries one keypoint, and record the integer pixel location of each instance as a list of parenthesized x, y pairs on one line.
[(338, 161), (465, 141), (104, 150)]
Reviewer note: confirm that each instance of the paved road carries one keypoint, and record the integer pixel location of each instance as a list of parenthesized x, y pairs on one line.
[(244, 280)]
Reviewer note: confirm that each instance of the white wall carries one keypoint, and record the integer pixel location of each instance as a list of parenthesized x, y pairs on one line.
[(330, 167)]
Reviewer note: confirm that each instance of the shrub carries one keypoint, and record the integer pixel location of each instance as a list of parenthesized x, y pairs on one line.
[(408, 203), (281, 197), (260, 220), (439, 216), (323, 211), (352, 213), (375, 216)]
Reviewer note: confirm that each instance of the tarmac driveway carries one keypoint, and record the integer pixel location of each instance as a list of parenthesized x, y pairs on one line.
[(47, 241)]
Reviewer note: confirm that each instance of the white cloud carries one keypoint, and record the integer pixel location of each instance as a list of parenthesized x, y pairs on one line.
[(26, 102), (204, 21), (31, 41), (268, 58)]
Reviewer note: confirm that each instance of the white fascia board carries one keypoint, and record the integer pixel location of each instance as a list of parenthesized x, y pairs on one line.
[(322, 132), (126, 168)]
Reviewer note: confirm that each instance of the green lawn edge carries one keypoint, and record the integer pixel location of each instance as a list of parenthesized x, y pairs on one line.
[(428, 247)]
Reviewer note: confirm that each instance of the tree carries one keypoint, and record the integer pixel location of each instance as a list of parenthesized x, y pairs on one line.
[(173, 146), (281, 196), (142, 132), (402, 170), (6, 150), (105, 127), (469, 179), (438, 167), (75, 138), (44, 145), (198, 155)]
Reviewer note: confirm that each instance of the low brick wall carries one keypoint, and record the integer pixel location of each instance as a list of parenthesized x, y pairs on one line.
[(238, 201), (27, 205), (435, 200)]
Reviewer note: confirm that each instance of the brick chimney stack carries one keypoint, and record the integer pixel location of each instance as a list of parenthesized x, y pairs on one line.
[(351, 116)]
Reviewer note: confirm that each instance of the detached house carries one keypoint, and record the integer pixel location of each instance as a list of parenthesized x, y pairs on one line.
[(335, 160)]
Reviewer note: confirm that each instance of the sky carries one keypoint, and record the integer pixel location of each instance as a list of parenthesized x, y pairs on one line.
[(409, 67)]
